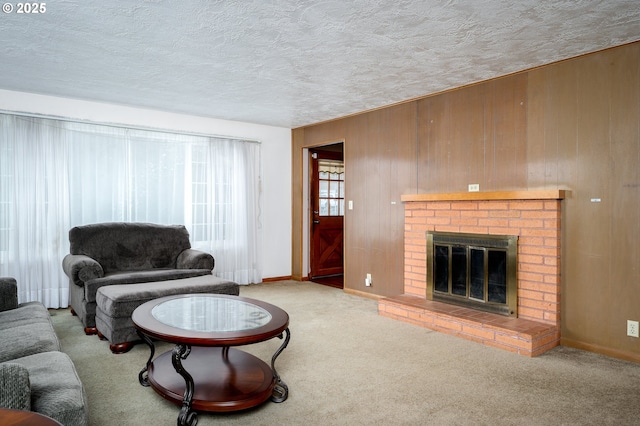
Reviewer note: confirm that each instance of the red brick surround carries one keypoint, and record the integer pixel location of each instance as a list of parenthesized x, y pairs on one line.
[(537, 223)]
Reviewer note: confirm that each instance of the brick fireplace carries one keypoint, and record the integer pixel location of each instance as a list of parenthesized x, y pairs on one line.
[(534, 216)]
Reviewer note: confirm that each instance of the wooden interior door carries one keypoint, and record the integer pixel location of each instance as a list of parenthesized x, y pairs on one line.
[(327, 213)]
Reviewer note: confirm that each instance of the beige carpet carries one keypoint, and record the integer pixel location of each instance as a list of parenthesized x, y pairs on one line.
[(345, 365)]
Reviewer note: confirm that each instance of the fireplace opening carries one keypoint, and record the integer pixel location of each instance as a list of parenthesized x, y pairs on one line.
[(473, 270)]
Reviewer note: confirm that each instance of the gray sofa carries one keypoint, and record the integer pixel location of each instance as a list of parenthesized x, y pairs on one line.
[(34, 374), (126, 253)]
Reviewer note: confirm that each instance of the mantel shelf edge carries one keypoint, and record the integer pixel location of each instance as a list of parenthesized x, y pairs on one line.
[(546, 194)]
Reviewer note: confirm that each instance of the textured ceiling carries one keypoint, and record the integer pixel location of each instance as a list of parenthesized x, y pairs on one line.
[(291, 63)]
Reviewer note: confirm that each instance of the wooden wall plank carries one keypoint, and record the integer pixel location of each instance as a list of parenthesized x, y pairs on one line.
[(491, 138), (466, 147), (624, 251), (587, 290), (509, 132), (433, 144), (563, 104), (536, 126)]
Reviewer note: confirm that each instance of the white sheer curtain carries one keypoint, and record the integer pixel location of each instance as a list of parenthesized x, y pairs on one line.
[(240, 264), (56, 174), (34, 209)]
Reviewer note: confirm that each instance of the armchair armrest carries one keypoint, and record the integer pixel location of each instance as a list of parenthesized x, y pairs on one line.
[(8, 293), (80, 268), (195, 259), (15, 387)]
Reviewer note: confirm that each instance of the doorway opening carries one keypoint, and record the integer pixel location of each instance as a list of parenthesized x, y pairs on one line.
[(326, 209)]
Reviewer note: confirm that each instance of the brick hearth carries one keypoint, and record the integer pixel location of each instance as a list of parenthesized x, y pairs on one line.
[(532, 215)]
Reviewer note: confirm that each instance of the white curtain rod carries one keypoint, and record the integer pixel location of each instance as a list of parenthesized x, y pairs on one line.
[(123, 126)]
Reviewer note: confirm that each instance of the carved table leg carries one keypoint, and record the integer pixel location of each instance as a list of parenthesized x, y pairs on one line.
[(142, 376), (280, 390), (187, 417)]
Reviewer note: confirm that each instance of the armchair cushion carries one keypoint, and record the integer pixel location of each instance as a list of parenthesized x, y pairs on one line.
[(15, 388)]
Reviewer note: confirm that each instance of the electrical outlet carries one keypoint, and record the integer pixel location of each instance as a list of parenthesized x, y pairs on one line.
[(632, 328), (474, 187), (367, 281)]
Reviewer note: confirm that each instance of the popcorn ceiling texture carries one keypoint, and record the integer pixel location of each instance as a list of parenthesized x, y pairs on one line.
[(291, 63)]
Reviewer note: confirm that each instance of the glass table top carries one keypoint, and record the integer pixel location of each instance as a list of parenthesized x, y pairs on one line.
[(208, 313)]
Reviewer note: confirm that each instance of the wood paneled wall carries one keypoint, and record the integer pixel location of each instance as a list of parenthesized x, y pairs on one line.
[(474, 136), (572, 125)]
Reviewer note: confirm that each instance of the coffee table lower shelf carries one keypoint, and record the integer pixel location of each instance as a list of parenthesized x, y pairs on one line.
[(232, 382)]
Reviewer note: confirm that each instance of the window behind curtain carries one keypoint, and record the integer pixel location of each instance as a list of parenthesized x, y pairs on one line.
[(107, 173)]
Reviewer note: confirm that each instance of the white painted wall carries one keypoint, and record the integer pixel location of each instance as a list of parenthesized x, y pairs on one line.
[(276, 156)]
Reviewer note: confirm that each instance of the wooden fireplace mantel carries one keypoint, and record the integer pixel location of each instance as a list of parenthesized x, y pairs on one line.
[(545, 194)]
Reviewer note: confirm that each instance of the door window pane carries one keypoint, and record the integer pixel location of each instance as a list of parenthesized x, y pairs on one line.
[(324, 189), (324, 207), (333, 208), (331, 187)]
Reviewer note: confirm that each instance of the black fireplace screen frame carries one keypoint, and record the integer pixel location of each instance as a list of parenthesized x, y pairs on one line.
[(454, 275)]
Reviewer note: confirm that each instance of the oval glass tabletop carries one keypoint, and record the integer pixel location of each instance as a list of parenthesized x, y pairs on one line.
[(210, 314)]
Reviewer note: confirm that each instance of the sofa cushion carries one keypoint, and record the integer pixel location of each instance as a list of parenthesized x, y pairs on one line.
[(120, 246), (15, 389), (133, 277), (25, 313), (28, 339), (56, 389), (26, 330)]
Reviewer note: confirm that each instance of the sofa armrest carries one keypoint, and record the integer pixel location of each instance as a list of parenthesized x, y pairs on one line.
[(195, 259), (80, 268), (15, 388), (8, 293)]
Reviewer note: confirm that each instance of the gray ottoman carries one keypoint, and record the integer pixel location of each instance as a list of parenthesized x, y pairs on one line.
[(116, 303)]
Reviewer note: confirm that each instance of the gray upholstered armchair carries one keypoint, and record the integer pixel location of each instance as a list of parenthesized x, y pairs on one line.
[(126, 253)]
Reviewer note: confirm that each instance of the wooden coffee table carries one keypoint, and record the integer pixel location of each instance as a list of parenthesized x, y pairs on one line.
[(202, 372), (25, 418)]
